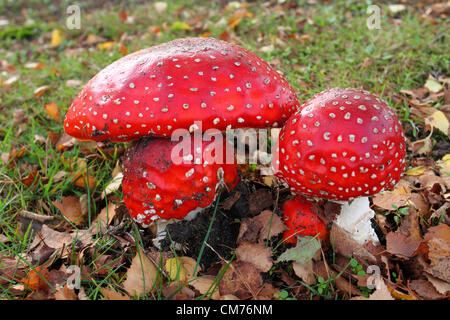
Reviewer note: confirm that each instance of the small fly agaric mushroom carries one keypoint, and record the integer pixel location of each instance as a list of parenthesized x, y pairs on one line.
[(301, 220), (155, 187), (342, 144), (157, 90)]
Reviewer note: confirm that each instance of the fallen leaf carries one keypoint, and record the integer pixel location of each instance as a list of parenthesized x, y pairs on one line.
[(438, 242), (400, 245), (105, 217), (142, 275), (110, 294), (381, 292), (206, 285), (256, 229), (40, 91), (106, 45), (347, 246), (425, 289), (181, 268), (65, 293), (303, 252), (438, 120), (442, 287), (57, 37), (416, 171), (388, 201), (305, 272), (241, 279), (114, 185), (70, 208), (432, 84), (180, 26), (255, 253), (52, 110), (37, 279)]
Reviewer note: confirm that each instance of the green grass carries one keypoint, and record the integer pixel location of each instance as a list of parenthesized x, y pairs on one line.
[(336, 53)]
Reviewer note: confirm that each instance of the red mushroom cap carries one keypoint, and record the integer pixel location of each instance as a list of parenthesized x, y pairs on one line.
[(156, 187), (341, 144), (157, 90), (301, 220)]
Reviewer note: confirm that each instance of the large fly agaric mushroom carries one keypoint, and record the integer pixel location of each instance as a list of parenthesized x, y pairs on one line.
[(342, 144), (157, 90), (175, 85), (155, 187)]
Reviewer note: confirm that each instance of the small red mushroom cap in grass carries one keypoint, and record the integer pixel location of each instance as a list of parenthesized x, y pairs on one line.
[(302, 221), (341, 144), (166, 87), (155, 187)]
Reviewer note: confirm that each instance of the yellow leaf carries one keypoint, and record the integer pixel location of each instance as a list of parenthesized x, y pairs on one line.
[(416, 171), (52, 110), (180, 25), (433, 85), (106, 45), (92, 38), (174, 269), (438, 120), (180, 268), (57, 37)]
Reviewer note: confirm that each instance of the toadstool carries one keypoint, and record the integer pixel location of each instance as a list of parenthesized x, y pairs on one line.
[(342, 144), (155, 187), (301, 220), (175, 85), (166, 87)]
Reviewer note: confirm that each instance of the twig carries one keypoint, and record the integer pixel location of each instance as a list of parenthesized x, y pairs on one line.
[(35, 216)]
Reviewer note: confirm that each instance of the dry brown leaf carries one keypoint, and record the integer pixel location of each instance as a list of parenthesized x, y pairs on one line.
[(270, 222), (242, 280), (141, 276), (65, 142), (206, 285), (255, 253), (53, 239), (105, 217), (441, 286), (70, 207), (425, 289), (257, 228), (438, 241), (65, 293), (346, 245), (381, 292), (387, 200), (400, 245), (305, 272), (113, 295)]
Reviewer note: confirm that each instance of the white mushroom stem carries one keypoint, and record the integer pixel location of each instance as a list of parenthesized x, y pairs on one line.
[(355, 218)]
